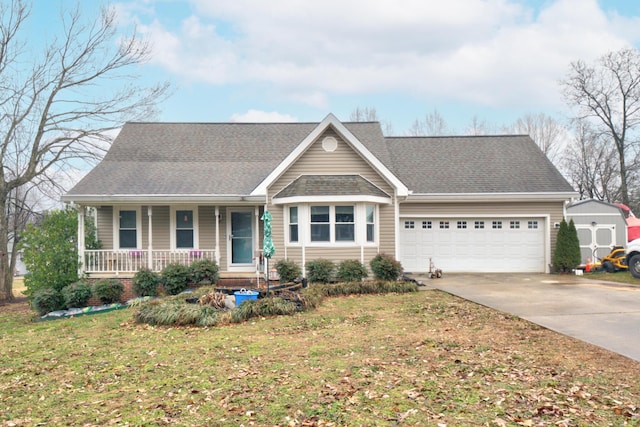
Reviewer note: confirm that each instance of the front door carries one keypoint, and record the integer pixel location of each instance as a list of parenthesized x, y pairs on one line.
[(241, 238)]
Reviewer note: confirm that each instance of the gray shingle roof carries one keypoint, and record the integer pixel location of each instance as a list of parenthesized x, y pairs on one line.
[(330, 185), (233, 158), (473, 164)]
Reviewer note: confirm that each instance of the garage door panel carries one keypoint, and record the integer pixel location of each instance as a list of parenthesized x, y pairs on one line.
[(474, 245)]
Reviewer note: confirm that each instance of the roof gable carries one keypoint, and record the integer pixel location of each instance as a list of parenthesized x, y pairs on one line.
[(332, 122)]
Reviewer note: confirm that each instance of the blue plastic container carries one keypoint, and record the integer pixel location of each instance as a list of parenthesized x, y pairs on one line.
[(245, 295)]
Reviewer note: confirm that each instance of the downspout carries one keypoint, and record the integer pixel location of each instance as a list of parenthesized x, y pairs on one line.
[(396, 225), (150, 238), (217, 214)]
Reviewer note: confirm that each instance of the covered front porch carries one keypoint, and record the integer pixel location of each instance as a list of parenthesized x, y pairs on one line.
[(135, 237)]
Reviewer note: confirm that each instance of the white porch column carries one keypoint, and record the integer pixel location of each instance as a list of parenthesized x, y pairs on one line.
[(81, 237), (150, 238), (217, 214), (257, 218)]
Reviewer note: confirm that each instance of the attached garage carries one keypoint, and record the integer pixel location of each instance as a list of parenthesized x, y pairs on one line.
[(499, 244)]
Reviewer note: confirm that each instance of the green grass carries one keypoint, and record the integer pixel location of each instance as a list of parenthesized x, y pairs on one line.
[(424, 358), (619, 277)]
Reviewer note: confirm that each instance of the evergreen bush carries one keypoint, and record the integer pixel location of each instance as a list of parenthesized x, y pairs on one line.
[(320, 271), (46, 300), (385, 267), (204, 272), (567, 254), (351, 270), (77, 294), (145, 283), (175, 278), (288, 270), (108, 291)]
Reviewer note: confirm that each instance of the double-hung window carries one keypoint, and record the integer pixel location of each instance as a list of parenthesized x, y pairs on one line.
[(333, 223), (345, 224), (293, 224), (371, 223), (320, 224), (184, 229), (128, 232)]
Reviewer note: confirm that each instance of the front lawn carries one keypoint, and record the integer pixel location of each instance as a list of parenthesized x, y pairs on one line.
[(425, 358)]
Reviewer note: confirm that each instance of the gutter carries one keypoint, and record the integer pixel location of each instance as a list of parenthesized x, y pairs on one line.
[(87, 199), (488, 197)]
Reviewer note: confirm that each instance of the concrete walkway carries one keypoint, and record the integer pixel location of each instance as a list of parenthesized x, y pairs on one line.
[(603, 313)]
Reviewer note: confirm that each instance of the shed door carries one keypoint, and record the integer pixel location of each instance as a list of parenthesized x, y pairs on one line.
[(596, 241)]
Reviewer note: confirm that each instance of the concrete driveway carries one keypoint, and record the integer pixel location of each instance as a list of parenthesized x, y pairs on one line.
[(603, 313)]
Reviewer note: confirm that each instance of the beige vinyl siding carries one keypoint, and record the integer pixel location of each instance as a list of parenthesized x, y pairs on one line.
[(207, 227), (160, 227), (553, 209), (223, 237), (316, 161), (144, 219), (344, 160), (387, 229), (105, 226)]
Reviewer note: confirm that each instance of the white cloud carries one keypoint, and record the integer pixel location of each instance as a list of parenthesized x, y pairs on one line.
[(491, 52), (257, 116)]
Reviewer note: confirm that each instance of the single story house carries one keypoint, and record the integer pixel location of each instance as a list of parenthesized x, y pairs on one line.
[(175, 192)]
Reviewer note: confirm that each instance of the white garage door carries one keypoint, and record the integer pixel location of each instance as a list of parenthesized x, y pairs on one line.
[(465, 245)]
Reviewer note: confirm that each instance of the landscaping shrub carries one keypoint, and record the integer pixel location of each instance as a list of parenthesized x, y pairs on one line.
[(145, 283), (320, 271), (288, 270), (77, 294), (385, 267), (271, 306), (351, 270), (204, 272), (175, 278), (108, 291), (46, 300), (567, 254), (175, 311)]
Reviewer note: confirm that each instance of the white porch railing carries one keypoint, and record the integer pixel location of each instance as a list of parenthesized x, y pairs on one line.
[(130, 261)]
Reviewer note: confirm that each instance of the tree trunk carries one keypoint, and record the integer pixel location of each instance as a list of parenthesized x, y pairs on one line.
[(6, 275)]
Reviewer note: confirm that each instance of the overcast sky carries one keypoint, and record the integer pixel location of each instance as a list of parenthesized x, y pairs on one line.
[(287, 60)]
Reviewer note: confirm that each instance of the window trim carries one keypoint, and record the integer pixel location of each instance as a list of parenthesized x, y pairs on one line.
[(360, 225), (116, 227), (290, 224), (173, 227)]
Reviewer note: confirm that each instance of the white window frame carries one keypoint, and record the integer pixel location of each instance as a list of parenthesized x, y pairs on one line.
[(173, 227), (116, 227), (289, 224), (360, 225)]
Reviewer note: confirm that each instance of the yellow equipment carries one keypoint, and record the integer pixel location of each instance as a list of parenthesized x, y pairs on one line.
[(615, 261)]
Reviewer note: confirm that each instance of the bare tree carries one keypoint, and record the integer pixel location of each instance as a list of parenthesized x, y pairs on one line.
[(591, 164), (57, 107), (546, 131), (478, 127), (369, 114), (432, 125), (365, 114), (608, 93)]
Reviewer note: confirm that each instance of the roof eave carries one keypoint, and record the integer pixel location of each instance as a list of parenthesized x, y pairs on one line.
[(331, 199), (489, 197), (156, 199)]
